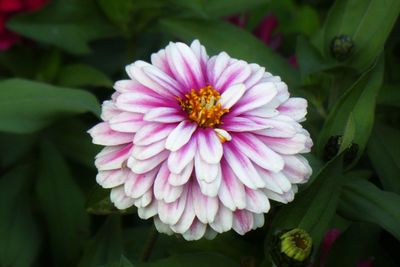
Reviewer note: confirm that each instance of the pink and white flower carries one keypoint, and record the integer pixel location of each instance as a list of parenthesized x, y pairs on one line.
[(201, 144)]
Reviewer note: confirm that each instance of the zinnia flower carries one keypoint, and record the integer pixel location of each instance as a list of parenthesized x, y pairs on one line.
[(201, 144), (9, 8)]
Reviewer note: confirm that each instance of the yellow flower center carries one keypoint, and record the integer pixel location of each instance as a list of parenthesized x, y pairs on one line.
[(202, 106)]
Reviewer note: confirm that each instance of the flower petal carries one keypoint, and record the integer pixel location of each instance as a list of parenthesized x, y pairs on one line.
[(145, 152), (286, 146), (120, 199), (205, 171), (242, 221), (180, 135), (162, 189), (257, 201), (178, 160), (242, 167), (231, 193), (255, 97), (170, 213), (148, 211), (258, 152), (140, 102), (205, 207), (112, 157), (196, 231), (143, 166), (152, 132), (295, 108), (127, 122), (209, 146), (297, 169), (236, 72), (113, 178), (137, 185), (181, 178), (102, 134), (223, 220), (164, 114), (232, 95), (184, 65)]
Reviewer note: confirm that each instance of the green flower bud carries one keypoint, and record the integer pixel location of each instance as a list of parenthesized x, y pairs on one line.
[(296, 244), (342, 47), (291, 248)]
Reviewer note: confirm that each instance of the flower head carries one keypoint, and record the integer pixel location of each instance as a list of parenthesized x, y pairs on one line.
[(200, 143), (9, 8)]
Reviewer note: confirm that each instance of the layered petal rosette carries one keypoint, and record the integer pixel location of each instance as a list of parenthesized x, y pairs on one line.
[(201, 144)]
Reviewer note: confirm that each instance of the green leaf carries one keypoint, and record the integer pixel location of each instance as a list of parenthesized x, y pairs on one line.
[(63, 204), (118, 11), (359, 102), (218, 36), (212, 9), (202, 259), (67, 24), (367, 22), (384, 152), (19, 242), (27, 106), (363, 201), (13, 147), (106, 246), (99, 203), (309, 58), (314, 208), (390, 96), (77, 75), (123, 262)]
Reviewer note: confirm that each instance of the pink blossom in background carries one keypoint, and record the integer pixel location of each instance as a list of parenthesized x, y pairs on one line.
[(201, 144), (266, 32), (329, 239), (9, 8)]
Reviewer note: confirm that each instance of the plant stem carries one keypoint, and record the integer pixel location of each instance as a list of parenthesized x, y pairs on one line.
[(151, 241)]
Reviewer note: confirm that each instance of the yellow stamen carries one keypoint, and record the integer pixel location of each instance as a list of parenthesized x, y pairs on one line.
[(202, 107)]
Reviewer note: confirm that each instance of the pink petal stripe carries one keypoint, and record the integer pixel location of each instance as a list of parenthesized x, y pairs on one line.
[(185, 66), (255, 97), (187, 217), (223, 220), (242, 221), (180, 135), (162, 189), (137, 185), (136, 72), (295, 108), (163, 80), (297, 169), (209, 145), (281, 126), (286, 146), (127, 122), (159, 60), (242, 167), (215, 67), (143, 166), (205, 207), (181, 178), (251, 146), (113, 178), (145, 152), (231, 192), (112, 157), (170, 213), (152, 132), (102, 134), (256, 201), (140, 102), (256, 75), (164, 115), (179, 159), (120, 199), (196, 231), (236, 72), (242, 124)]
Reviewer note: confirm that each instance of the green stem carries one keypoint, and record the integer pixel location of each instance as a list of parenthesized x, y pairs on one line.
[(151, 241)]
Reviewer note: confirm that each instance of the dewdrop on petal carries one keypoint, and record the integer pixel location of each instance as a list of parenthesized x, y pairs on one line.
[(201, 144)]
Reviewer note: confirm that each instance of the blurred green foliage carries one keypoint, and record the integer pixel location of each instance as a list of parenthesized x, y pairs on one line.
[(53, 214)]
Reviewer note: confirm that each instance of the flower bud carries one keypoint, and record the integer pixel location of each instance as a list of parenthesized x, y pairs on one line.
[(341, 47), (292, 248)]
